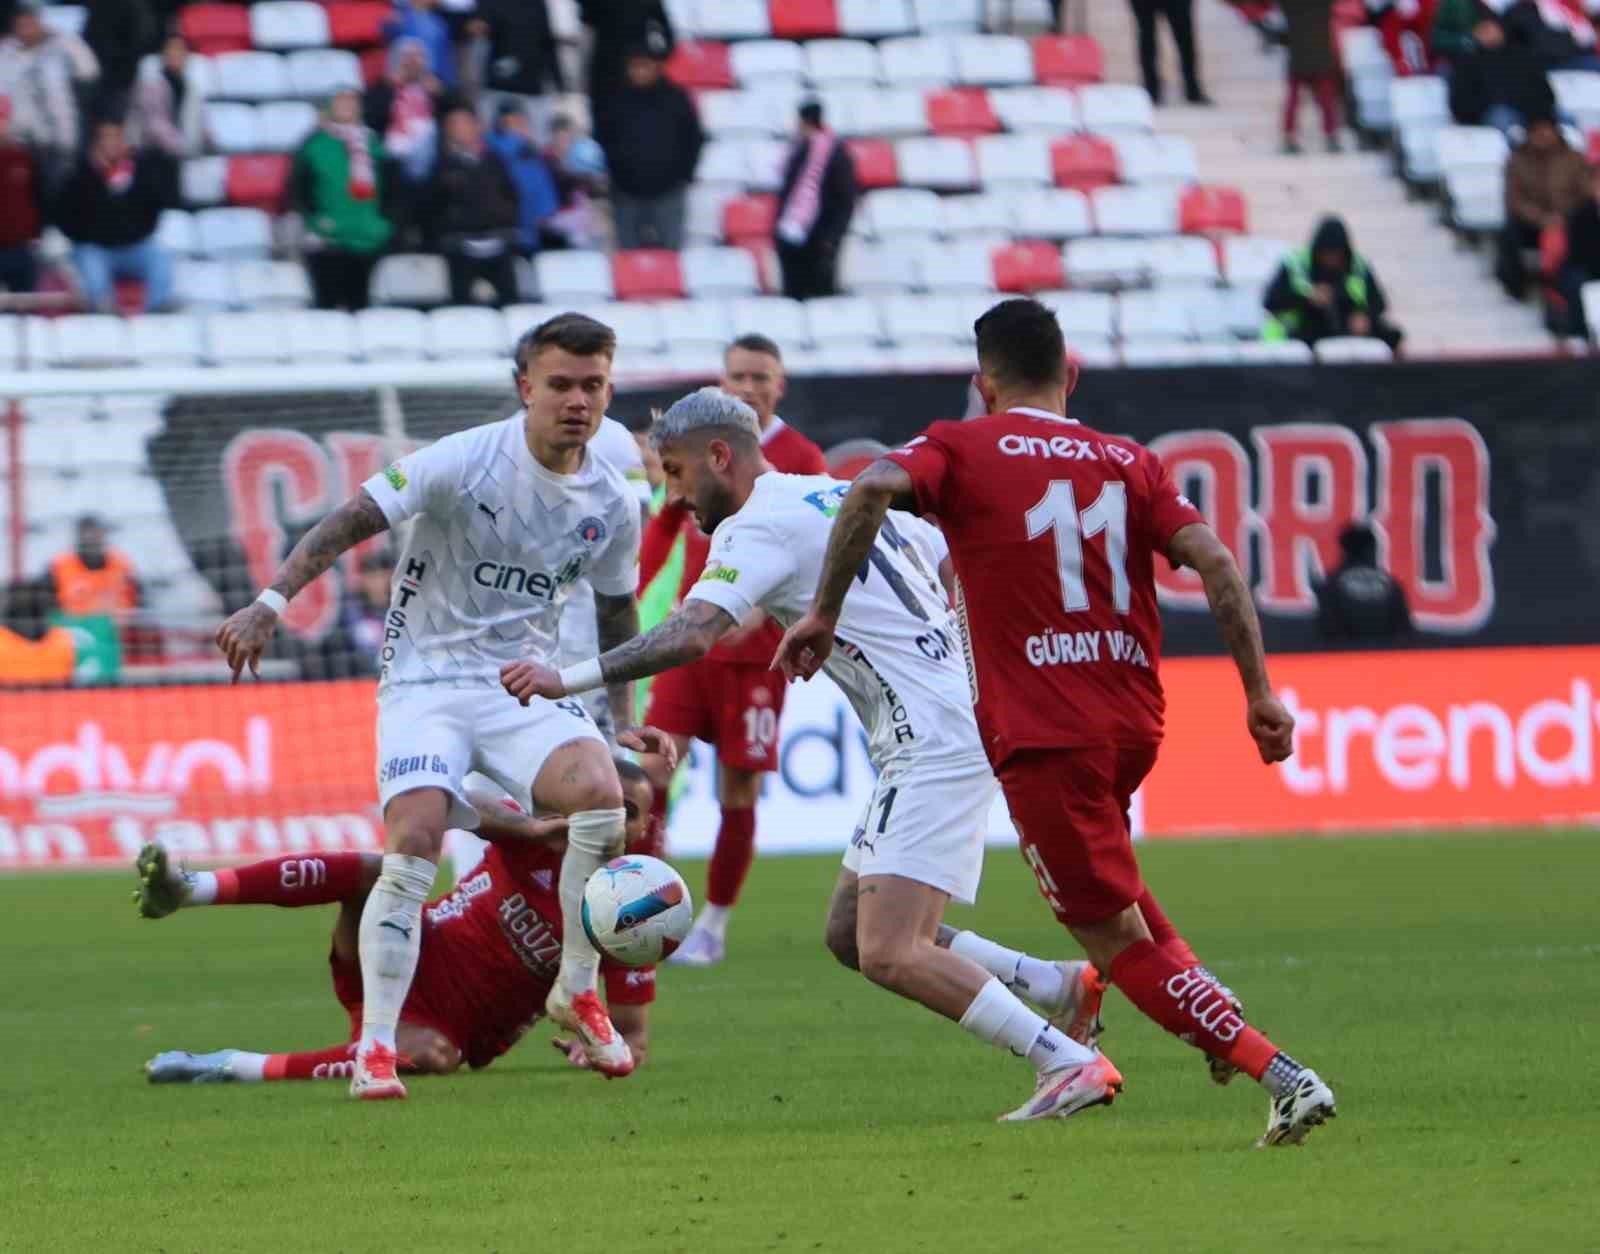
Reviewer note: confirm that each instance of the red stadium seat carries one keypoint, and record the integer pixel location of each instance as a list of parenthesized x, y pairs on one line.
[(700, 65), (803, 19), (1067, 60), (259, 182), (356, 23), (1213, 211), (875, 163), (212, 28), (768, 273), (647, 274), (1028, 266), (961, 111), (749, 218), (1084, 162)]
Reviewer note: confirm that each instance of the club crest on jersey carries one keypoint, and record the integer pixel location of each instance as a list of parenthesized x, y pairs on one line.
[(592, 530)]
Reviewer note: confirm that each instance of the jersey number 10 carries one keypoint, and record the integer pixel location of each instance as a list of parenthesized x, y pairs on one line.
[(1058, 512)]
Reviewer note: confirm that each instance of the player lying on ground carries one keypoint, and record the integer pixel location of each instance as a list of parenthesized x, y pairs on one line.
[(505, 519), (921, 839), (1054, 529), (488, 956)]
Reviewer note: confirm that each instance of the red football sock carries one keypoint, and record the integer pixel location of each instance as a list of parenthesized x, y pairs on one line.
[(1189, 1006), (1163, 933), (334, 1063), (292, 880), (731, 859)]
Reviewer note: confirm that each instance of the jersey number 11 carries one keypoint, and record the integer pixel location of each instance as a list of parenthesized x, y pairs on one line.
[(1058, 512)]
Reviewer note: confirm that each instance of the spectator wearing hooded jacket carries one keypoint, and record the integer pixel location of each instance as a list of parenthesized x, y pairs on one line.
[(1327, 289), (470, 210), (520, 63), (404, 106), (815, 205), (1545, 182), (652, 139), (338, 187), (42, 72), (166, 109), (1500, 84), (538, 200), (620, 27)]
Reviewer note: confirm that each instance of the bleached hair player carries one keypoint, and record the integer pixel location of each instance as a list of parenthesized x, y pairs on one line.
[(920, 841), (505, 519)]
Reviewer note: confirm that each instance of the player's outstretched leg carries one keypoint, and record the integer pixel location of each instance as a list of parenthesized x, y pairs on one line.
[(422, 1051), (293, 880), (1068, 992), (731, 859), (1166, 936)]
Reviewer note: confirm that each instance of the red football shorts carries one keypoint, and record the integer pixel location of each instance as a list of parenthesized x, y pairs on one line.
[(1070, 807), (348, 989), (732, 705)]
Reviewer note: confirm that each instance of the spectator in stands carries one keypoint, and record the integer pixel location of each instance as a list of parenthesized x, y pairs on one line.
[(652, 140), (40, 71), (418, 19), (1180, 21), (620, 26), (1546, 181), (521, 63), (19, 209), (1361, 600), (361, 617), (93, 578), (815, 205), (470, 210), (1451, 37), (338, 187), (404, 106), (1498, 84), (537, 199), (1327, 289), (1313, 66), (110, 208), (1405, 27), (1582, 264), (1557, 33), (579, 166), (166, 108), (32, 651), (119, 33)]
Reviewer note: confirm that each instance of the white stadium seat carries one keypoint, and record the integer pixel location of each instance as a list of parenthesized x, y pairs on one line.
[(923, 62), (836, 320), (1351, 349), (943, 356), (765, 160), (1589, 293), (834, 62), (1476, 199), (204, 181), (288, 24), (963, 265), (1098, 262), (283, 125), (465, 332), (175, 231), (984, 214), (1421, 99), (392, 334), (867, 268), (272, 284), (1155, 158), (1578, 93), (900, 213), (938, 162), (910, 319), (65, 19), (518, 319), (1183, 261), (736, 114), (229, 233), (1153, 315), (947, 15), (1009, 160), (703, 220), (567, 276), (320, 335), (719, 272), (1167, 353), (1053, 110), (1083, 315), (707, 322), (410, 279), (1371, 94), (1051, 213), (722, 161), (232, 127), (876, 111), (776, 317), (1250, 261), (166, 339), (244, 339), (92, 340), (204, 284), (767, 62), (639, 327), (1471, 148), (1361, 52), (1281, 353), (993, 60), (1419, 151), (251, 76), (11, 343), (1242, 311), (319, 72), (1122, 210), (731, 19), (874, 19), (1111, 108)]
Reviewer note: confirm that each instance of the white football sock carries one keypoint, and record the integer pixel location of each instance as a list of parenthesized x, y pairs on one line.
[(199, 888), (390, 937), (248, 1067), (997, 1016), (594, 837), (714, 920), (1034, 978)]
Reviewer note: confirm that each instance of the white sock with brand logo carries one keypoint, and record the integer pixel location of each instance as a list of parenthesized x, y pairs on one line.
[(199, 888), (594, 837), (997, 1016), (1034, 978), (390, 937)]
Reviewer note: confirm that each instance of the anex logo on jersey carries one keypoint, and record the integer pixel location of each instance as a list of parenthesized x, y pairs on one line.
[(537, 585)]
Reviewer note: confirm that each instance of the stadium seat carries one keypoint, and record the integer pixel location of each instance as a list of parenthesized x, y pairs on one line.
[(288, 24), (1471, 148), (749, 218), (1241, 311), (163, 340), (246, 339), (175, 231), (866, 267), (1083, 162), (731, 19), (1183, 261), (11, 344), (1101, 263), (321, 335), (875, 111), (703, 219), (392, 334), (1250, 261), (1348, 349), (935, 162), (1148, 159), (1067, 60), (842, 320), (960, 265), (203, 181), (1027, 266), (803, 19), (1474, 199), (1083, 315), (712, 272), (213, 28), (1157, 354), (877, 163), (639, 329), (232, 127), (777, 317), (1051, 213), (723, 161), (1589, 293), (900, 213), (204, 284), (766, 62), (65, 19), (1152, 315), (736, 114), (641, 274), (1009, 160), (920, 319), (251, 76), (465, 332), (1212, 210), (1578, 94), (992, 60), (1361, 51), (1112, 108), (931, 356), (1284, 353), (705, 323), (319, 72), (258, 182), (986, 215), (356, 23), (947, 15), (1370, 94), (412, 279), (1053, 110), (1135, 210), (230, 233), (923, 62), (89, 340), (841, 62), (765, 160), (961, 111), (569, 276), (272, 284), (1210, 310), (702, 64), (1419, 100), (283, 125), (874, 19)]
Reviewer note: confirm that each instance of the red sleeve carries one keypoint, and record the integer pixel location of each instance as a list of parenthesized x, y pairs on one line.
[(656, 546), (629, 986), (808, 457), (927, 459), (1170, 510)]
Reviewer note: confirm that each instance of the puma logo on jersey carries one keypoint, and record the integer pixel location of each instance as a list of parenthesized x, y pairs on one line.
[(494, 514)]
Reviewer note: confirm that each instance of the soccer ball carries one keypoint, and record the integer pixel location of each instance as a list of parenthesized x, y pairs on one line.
[(636, 910)]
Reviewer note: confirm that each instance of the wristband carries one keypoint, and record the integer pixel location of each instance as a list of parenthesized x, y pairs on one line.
[(581, 676), (274, 601)]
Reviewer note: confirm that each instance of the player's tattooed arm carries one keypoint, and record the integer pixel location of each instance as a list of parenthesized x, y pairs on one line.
[(618, 621), (686, 635)]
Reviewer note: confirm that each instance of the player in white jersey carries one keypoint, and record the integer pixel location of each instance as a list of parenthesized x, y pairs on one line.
[(504, 520), (920, 841)]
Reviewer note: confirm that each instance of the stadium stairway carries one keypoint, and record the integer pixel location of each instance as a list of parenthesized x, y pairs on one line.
[(1440, 293)]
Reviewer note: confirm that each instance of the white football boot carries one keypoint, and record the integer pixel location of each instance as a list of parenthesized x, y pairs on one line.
[(1067, 1090), (701, 948), (1290, 1118), (377, 1076), (179, 1066), (608, 1052)]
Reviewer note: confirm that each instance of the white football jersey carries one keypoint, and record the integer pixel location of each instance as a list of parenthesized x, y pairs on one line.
[(898, 655), (497, 545), (613, 443)]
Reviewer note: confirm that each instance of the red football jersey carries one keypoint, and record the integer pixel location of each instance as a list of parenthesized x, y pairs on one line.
[(789, 452), (492, 948), (1054, 530)]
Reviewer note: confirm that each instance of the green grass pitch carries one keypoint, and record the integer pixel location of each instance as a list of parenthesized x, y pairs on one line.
[(1447, 987)]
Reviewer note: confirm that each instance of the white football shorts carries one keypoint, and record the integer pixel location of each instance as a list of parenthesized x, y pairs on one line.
[(927, 822), (433, 735)]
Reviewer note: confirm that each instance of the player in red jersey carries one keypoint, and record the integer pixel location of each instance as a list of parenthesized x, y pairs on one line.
[(490, 949), (1054, 529), (730, 699)]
